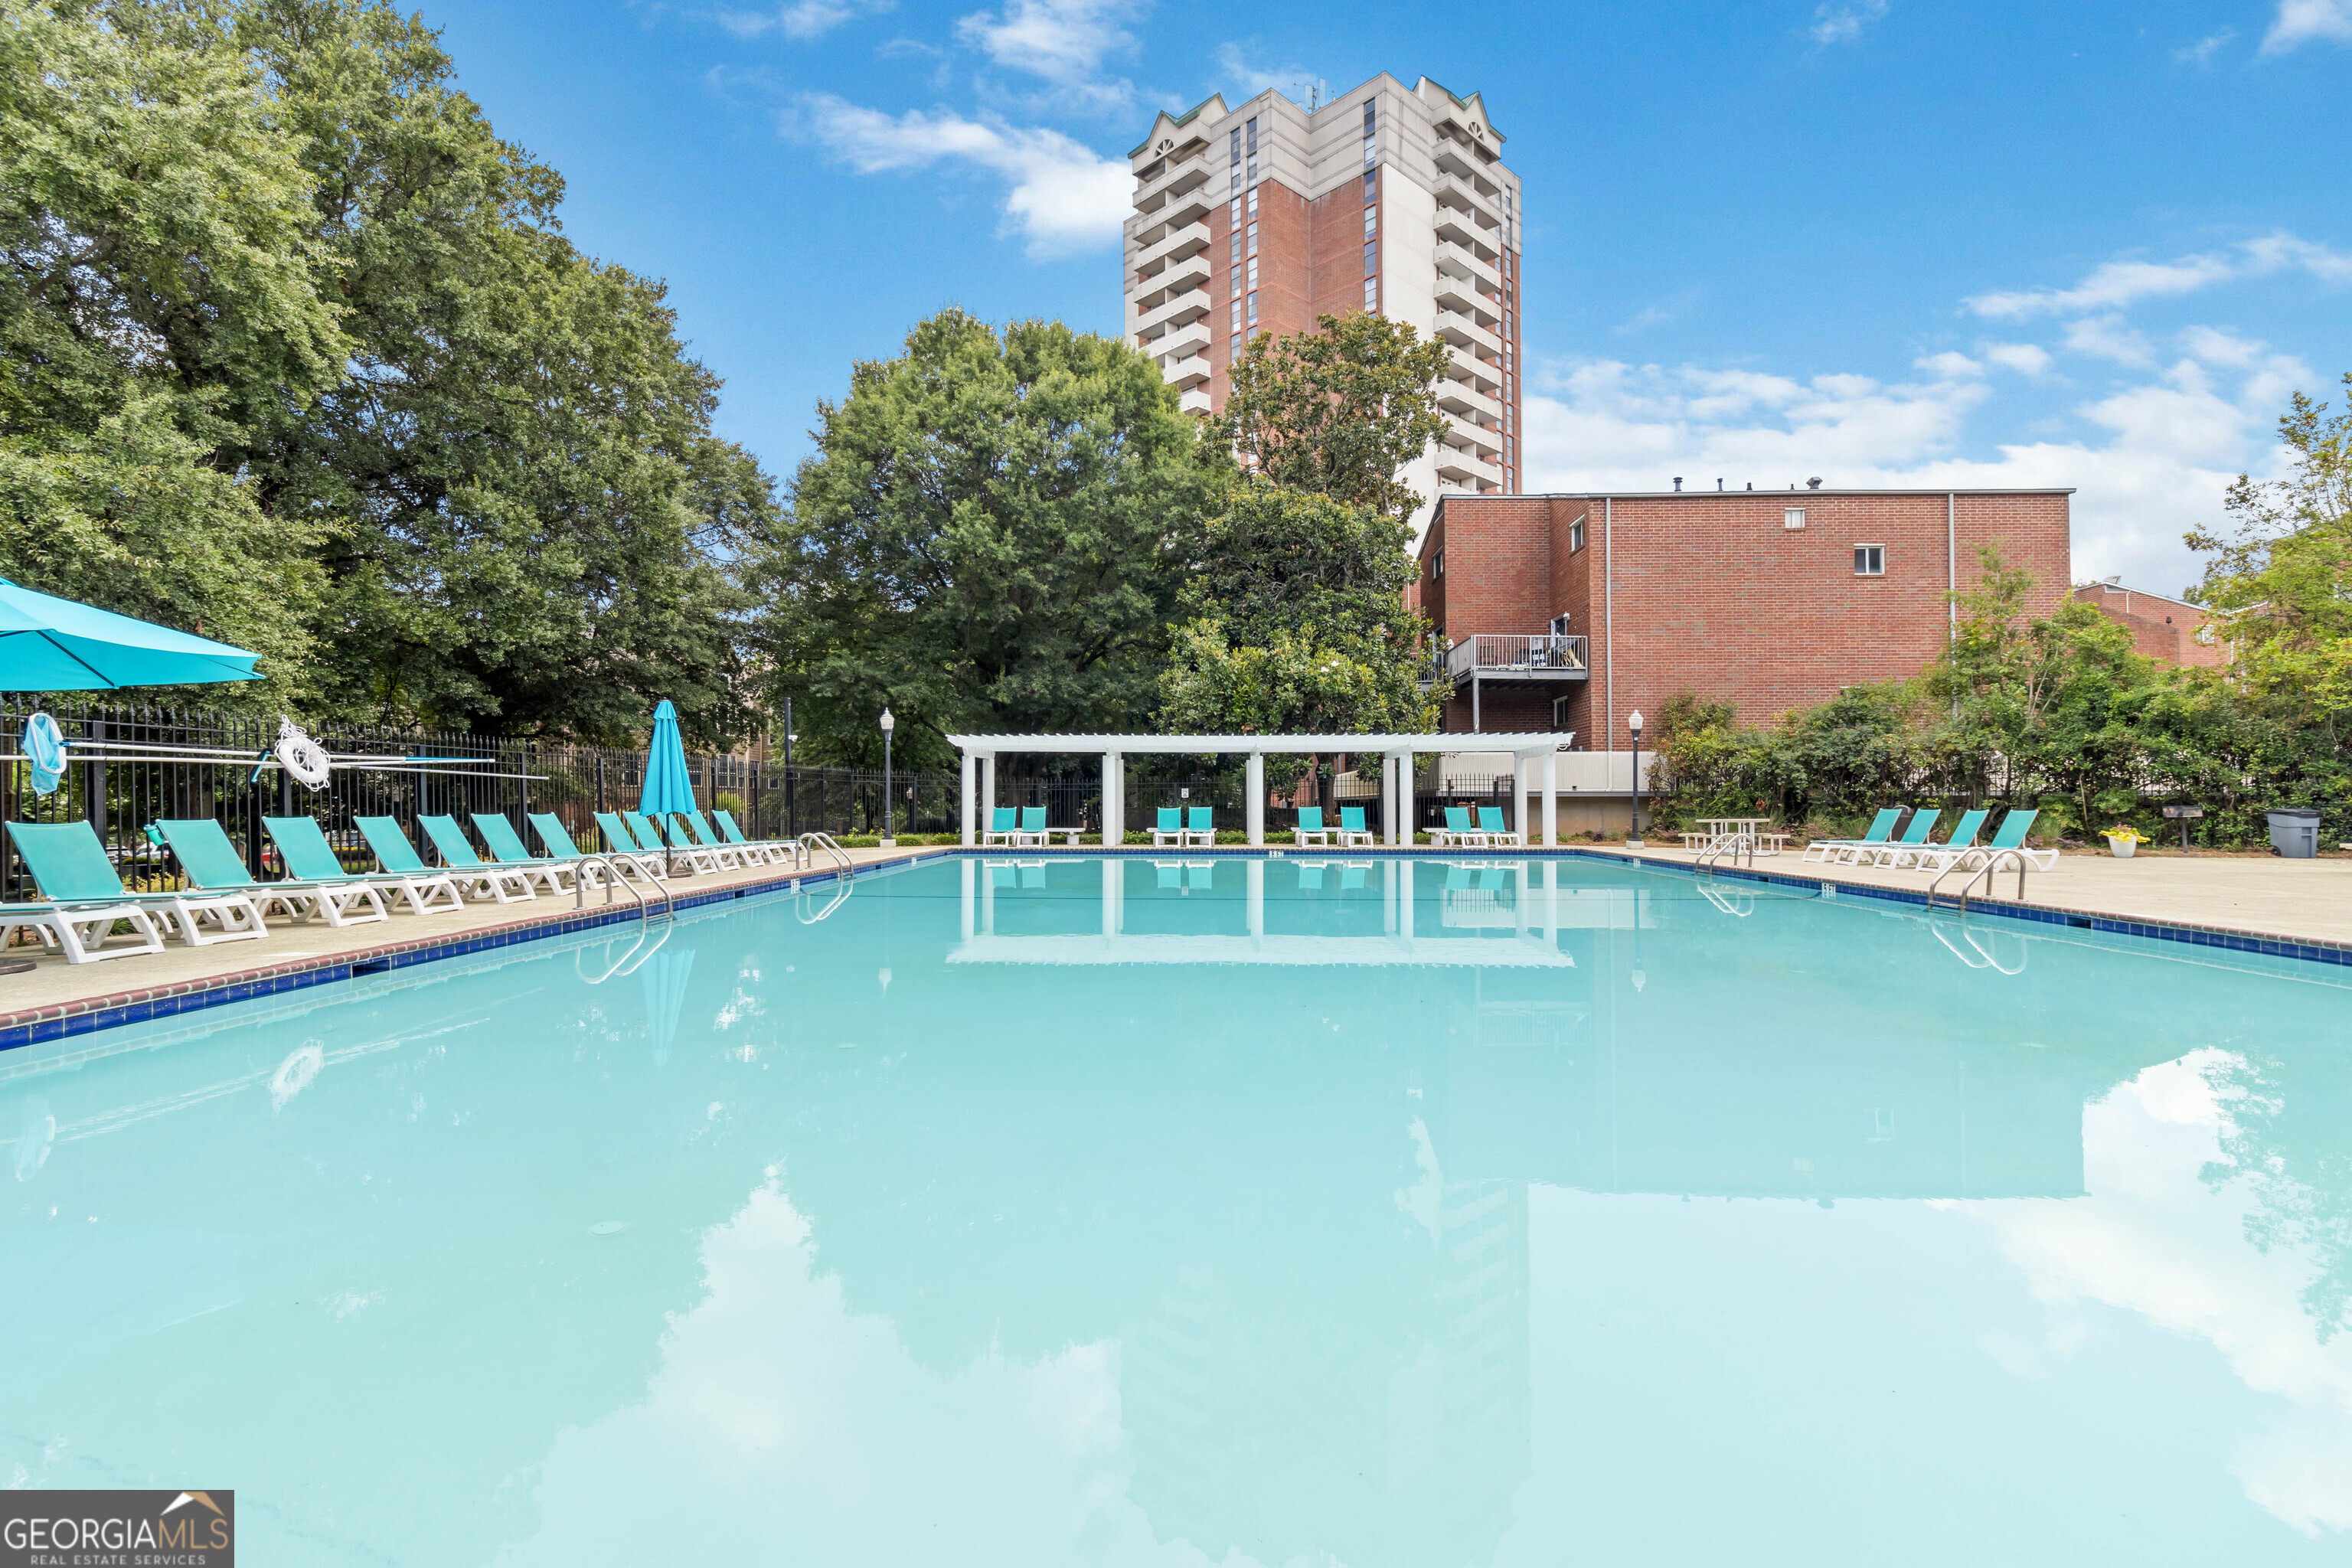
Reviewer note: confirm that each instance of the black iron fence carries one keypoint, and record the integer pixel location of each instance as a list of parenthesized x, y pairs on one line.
[(148, 764)]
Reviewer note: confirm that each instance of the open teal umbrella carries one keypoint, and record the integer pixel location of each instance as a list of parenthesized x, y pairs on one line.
[(668, 787), (48, 643)]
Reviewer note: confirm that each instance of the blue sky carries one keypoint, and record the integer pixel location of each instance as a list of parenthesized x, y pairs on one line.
[(1878, 241)]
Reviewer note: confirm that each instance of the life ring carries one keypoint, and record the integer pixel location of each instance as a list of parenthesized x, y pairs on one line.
[(301, 755), (45, 751)]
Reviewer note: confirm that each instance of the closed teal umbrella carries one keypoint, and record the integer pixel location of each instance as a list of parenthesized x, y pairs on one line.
[(667, 788), (48, 643)]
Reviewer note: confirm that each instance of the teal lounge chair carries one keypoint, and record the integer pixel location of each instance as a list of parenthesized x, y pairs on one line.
[(398, 857), (507, 884), (704, 835), (303, 846), (1457, 832), (1201, 826), (1882, 827), (1892, 852), (507, 849), (1004, 821), (2010, 839), (675, 843), (1034, 831), (1168, 827), (1963, 837), (1490, 823), (556, 839), (619, 840), (1310, 828), (1353, 833), (81, 897), (777, 850), (212, 863), (689, 828), (70, 866)]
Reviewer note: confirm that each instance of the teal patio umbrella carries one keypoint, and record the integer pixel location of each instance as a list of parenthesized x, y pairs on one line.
[(48, 643), (668, 787)]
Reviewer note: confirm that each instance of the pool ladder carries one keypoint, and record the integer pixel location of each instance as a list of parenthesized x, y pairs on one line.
[(1738, 845), (1998, 860), (612, 877), (811, 841)]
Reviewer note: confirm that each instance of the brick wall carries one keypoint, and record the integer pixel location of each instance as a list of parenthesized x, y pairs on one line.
[(2160, 627), (1713, 593)]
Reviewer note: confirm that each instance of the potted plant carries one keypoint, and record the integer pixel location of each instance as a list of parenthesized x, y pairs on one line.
[(2123, 838)]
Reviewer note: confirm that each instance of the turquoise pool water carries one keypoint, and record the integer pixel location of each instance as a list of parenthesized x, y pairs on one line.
[(1237, 1212)]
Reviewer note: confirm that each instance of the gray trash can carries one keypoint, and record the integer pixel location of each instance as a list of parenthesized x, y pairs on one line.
[(2294, 831)]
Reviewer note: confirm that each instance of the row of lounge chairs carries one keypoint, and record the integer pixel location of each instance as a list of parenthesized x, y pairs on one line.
[(1914, 848), (1187, 827), (83, 897)]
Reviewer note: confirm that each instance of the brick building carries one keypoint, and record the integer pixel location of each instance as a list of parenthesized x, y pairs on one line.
[(1388, 198), (2173, 630), (1569, 612)]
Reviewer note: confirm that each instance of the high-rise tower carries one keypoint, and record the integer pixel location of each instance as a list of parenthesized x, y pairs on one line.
[(1386, 198)]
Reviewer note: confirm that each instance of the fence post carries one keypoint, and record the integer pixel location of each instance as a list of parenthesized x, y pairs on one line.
[(93, 782)]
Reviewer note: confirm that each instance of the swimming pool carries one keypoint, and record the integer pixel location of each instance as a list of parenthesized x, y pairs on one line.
[(1229, 1210)]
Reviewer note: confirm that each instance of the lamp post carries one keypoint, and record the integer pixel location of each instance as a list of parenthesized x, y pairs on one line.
[(1633, 723), (889, 838)]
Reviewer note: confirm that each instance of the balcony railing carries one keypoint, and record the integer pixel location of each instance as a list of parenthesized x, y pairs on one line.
[(1543, 653)]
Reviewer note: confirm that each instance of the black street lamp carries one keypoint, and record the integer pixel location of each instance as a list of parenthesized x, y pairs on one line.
[(1633, 723), (889, 837)]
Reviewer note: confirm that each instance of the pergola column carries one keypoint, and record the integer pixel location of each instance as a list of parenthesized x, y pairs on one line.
[(1254, 786), (1406, 804), (1520, 762), (1114, 791), (1388, 798), (987, 790), (966, 809), (1551, 798)]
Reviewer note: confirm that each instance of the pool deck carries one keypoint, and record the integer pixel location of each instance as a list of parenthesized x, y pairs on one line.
[(2298, 907)]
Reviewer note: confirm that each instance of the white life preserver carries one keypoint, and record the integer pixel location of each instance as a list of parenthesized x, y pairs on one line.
[(301, 755)]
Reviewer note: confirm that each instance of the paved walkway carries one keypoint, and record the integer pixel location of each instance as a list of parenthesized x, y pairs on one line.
[(2262, 894), (54, 985)]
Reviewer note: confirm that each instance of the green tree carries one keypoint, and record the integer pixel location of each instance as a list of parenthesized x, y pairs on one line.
[(1341, 410), (988, 536)]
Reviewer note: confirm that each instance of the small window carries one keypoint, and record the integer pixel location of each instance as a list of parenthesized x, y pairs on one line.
[(1237, 316), (1252, 204), (1372, 183), (1253, 239), (1575, 538), (1437, 563), (1793, 518), (1371, 257), (1371, 221), (1237, 247), (1252, 320), (1237, 146), (1252, 271), (1870, 560), (1370, 148), (1237, 214), (1371, 294), (1371, 113), (1252, 129)]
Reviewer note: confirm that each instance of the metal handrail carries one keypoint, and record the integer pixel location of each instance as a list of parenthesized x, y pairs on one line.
[(629, 962), (814, 840), (612, 876), (1539, 651), (1730, 842), (1994, 860)]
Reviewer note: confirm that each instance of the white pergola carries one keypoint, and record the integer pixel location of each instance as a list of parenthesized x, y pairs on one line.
[(1534, 770)]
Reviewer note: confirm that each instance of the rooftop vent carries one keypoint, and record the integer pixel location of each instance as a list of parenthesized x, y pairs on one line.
[(1813, 484), (1678, 482)]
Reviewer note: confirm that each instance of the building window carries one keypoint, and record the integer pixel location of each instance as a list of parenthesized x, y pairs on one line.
[(1507, 389), (1576, 536), (1252, 271), (1793, 518), (1252, 129), (1437, 563), (1237, 316), (1237, 214), (1252, 308), (1369, 146), (1235, 147), (1507, 324), (1253, 239), (1371, 294), (1371, 221), (1237, 247), (1371, 257), (1372, 183), (1870, 560), (1506, 448), (1253, 204), (1371, 115)]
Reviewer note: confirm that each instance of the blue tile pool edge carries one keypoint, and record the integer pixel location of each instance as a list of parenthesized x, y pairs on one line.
[(37, 1025), (64, 1020)]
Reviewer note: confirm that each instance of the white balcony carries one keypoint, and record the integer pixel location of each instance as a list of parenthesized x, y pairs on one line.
[(1195, 401), (1192, 371), (1484, 378), (1465, 467), (1452, 224), (1187, 340), (1487, 444), (1177, 179), (1461, 295), (1175, 310), (1472, 196), (1464, 401), (1458, 260), (1464, 332), (1173, 245), (1186, 272)]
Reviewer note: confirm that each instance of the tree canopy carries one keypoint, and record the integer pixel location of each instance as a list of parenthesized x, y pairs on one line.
[(1339, 411), (296, 350), (990, 535)]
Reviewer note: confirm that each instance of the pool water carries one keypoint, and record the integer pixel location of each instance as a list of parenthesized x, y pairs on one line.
[(1238, 1211)]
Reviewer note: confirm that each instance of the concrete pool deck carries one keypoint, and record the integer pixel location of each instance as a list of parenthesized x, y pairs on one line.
[(2302, 902)]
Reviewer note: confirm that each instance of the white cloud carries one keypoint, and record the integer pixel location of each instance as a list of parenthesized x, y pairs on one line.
[(1843, 22), (1234, 69), (2153, 458), (1063, 196), (804, 19), (1065, 42), (2301, 21), (2115, 284), (2202, 51), (2026, 359)]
